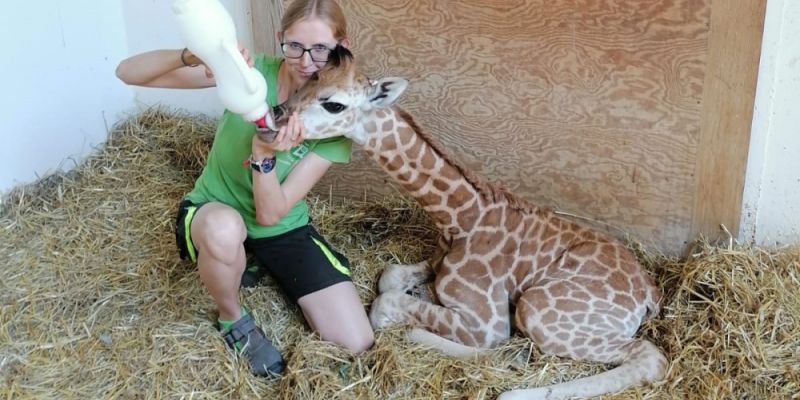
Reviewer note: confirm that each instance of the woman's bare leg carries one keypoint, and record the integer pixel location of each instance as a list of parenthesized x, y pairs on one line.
[(218, 233), (336, 313)]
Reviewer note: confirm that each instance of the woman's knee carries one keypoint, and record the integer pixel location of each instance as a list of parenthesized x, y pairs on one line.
[(354, 340), (218, 230), (361, 340), (366, 341)]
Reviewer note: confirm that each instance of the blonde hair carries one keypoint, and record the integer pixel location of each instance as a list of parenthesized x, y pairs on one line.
[(326, 10)]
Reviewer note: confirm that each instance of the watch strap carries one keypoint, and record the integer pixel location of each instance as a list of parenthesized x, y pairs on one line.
[(263, 166)]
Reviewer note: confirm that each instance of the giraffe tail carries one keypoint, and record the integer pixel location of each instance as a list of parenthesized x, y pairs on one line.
[(644, 363), (446, 346)]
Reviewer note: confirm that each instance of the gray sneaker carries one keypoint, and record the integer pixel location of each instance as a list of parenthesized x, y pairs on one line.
[(264, 357)]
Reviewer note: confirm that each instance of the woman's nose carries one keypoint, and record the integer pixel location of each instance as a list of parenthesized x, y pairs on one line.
[(306, 60)]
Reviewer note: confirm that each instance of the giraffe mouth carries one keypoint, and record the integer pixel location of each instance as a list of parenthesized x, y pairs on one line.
[(277, 117), (266, 134)]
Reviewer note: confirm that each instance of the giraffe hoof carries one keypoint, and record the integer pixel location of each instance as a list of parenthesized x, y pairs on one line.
[(393, 278), (380, 315)]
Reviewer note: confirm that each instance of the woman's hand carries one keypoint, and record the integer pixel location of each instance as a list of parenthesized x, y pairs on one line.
[(210, 74), (289, 135)]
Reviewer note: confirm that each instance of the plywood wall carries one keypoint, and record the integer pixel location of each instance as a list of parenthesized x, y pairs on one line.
[(593, 108)]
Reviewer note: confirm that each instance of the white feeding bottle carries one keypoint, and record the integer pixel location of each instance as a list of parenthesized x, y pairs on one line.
[(208, 31)]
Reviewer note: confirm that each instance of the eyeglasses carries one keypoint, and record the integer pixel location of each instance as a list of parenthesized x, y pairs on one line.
[(318, 52)]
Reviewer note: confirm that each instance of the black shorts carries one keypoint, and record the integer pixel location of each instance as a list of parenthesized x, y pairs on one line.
[(183, 232), (300, 261)]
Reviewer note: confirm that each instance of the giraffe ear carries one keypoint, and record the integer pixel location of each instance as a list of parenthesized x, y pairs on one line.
[(386, 91)]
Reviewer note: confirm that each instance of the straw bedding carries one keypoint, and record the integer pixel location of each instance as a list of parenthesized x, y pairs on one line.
[(96, 304)]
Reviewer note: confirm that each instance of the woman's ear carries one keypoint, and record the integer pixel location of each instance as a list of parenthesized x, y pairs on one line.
[(279, 36), (345, 43)]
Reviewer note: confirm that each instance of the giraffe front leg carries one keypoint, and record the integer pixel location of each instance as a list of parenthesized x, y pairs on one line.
[(464, 326), (399, 277), (390, 308), (408, 278)]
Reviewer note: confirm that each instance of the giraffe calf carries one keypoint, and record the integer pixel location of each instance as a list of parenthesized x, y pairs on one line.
[(576, 292)]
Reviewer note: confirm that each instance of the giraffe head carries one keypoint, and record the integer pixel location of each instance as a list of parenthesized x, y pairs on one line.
[(338, 99)]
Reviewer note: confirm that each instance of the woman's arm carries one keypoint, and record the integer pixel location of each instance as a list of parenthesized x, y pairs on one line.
[(273, 199), (164, 69)]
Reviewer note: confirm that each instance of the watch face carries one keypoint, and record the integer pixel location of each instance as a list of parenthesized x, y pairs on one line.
[(264, 165)]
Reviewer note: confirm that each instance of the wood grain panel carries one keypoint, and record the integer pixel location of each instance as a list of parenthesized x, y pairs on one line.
[(736, 28), (266, 15), (589, 107)]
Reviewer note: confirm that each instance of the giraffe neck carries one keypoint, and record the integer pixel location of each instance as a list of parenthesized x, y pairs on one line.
[(438, 185)]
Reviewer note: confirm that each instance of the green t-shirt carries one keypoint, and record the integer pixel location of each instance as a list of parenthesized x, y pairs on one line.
[(226, 180)]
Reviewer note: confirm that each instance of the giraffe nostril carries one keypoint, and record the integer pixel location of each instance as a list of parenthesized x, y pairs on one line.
[(278, 111)]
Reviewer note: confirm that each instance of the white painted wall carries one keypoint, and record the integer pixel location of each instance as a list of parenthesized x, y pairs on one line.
[(771, 203), (59, 90)]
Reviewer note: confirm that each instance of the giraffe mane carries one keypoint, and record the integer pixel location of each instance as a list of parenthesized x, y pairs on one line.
[(485, 188)]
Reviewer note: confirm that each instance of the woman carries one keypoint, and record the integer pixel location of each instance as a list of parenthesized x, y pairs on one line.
[(233, 208)]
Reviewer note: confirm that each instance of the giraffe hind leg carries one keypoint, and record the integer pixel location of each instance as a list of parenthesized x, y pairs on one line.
[(577, 335), (641, 362)]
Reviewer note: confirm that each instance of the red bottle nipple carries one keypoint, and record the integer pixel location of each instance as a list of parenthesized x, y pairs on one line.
[(262, 122)]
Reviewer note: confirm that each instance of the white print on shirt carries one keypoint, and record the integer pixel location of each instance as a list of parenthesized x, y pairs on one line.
[(294, 155)]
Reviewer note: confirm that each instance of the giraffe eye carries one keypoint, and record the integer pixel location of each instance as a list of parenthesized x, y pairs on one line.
[(333, 107)]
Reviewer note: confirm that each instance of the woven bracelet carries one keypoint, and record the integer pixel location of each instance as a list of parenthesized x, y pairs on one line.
[(183, 58)]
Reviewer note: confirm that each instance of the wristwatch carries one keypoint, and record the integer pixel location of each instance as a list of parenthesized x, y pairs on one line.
[(262, 166)]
